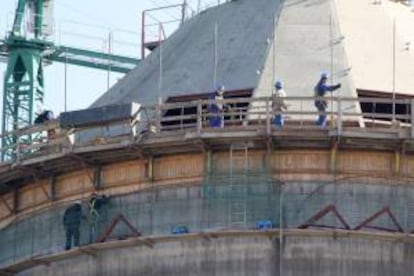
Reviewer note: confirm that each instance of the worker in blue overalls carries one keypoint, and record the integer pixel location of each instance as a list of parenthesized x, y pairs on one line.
[(216, 109), (320, 103)]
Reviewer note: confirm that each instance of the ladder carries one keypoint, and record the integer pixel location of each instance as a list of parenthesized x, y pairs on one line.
[(238, 181)]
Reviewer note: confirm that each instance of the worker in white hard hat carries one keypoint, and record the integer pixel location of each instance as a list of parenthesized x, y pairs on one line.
[(278, 104), (320, 103)]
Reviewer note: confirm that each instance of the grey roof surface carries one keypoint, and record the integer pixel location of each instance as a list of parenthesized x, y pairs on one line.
[(258, 41), (244, 27)]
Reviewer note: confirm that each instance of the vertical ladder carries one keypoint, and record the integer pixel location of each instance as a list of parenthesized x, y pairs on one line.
[(238, 181)]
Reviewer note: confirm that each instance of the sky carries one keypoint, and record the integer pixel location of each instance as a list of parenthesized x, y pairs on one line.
[(87, 24)]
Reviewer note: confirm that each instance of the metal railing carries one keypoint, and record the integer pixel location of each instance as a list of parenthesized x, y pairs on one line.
[(195, 116)]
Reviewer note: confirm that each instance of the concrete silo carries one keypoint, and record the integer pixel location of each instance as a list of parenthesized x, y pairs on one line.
[(249, 198)]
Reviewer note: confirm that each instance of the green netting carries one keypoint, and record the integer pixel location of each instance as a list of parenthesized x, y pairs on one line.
[(218, 203)]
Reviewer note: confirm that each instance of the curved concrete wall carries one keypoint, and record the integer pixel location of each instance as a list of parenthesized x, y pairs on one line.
[(245, 256), (203, 207)]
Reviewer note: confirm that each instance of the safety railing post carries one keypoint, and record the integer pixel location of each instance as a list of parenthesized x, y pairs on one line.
[(339, 116), (301, 113), (199, 117), (412, 118), (17, 148), (268, 127), (159, 115)]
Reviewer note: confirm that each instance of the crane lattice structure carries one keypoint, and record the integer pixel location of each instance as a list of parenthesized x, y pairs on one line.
[(27, 50)]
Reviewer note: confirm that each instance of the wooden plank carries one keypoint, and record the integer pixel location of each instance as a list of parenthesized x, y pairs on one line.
[(123, 172), (301, 160), (365, 161), (88, 251), (178, 166), (6, 204), (32, 129), (33, 195), (74, 183), (7, 201)]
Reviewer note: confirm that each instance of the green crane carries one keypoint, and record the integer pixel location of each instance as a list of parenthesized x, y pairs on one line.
[(27, 50)]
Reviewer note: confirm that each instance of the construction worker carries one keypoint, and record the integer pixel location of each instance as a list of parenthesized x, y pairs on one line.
[(321, 104), (278, 104), (43, 117), (95, 204), (71, 222), (217, 108)]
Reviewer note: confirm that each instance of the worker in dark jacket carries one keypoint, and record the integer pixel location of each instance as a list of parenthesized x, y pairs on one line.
[(43, 117), (96, 212), (321, 104), (71, 222)]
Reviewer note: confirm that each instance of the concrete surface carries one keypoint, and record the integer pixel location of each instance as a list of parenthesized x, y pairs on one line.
[(307, 43), (368, 31), (156, 212), (297, 256)]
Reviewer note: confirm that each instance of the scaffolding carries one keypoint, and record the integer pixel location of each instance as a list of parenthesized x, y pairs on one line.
[(234, 192), (209, 206), (243, 194)]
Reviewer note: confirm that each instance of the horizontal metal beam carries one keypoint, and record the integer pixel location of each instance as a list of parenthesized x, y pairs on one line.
[(92, 59), (89, 64)]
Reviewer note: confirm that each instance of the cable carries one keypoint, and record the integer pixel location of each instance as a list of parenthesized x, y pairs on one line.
[(165, 11), (91, 17)]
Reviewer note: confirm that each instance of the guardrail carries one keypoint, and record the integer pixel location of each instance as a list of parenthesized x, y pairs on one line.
[(195, 116)]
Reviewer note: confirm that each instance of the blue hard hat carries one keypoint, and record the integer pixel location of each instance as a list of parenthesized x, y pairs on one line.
[(278, 84), (324, 75), (220, 87)]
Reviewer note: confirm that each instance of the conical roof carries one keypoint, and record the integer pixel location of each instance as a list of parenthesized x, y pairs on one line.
[(243, 29), (257, 41)]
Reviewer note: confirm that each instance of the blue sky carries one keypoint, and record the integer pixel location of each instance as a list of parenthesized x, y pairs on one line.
[(87, 24)]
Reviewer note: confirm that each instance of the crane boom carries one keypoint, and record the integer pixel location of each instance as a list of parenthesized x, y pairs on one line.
[(26, 50)]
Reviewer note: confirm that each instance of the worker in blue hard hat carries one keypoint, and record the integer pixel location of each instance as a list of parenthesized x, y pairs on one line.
[(320, 103), (217, 108), (278, 103)]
